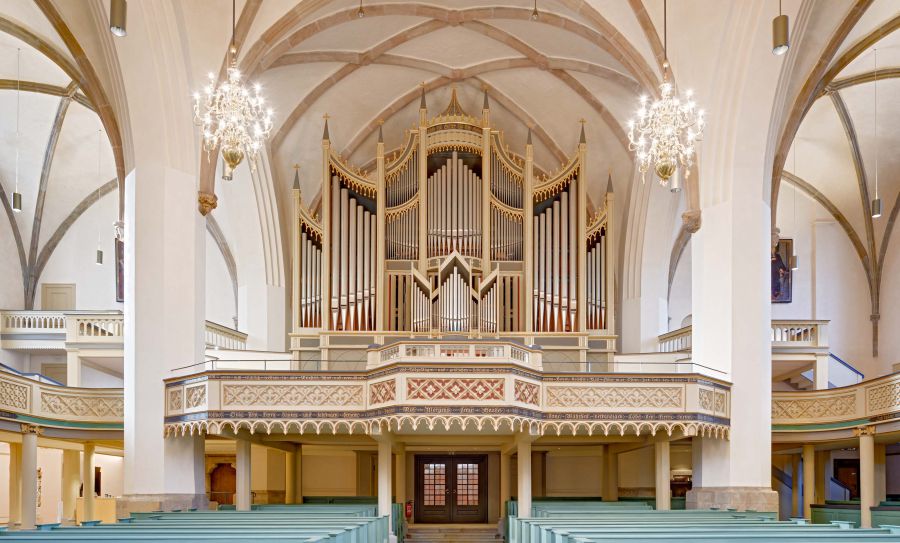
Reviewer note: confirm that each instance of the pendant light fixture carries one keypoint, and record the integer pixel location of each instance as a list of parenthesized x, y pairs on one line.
[(535, 14), (360, 13), (16, 196), (780, 33), (666, 130), (99, 258), (876, 203), (118, 15), (232, 116)]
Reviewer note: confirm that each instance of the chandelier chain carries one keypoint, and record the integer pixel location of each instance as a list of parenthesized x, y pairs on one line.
[(18, 109)]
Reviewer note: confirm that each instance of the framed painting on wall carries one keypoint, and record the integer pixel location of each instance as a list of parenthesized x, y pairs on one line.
[(120, 270), (782, 278)]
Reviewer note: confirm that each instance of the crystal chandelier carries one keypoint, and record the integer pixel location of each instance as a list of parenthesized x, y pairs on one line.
[(232, 116), (665, 131)]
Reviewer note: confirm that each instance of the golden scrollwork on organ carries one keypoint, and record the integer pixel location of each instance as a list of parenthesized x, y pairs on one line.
[(452, 236)]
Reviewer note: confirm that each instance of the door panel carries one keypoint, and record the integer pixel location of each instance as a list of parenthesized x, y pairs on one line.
[(451, 489)]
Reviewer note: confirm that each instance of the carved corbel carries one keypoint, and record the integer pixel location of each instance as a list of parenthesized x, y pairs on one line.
[(691, 220), (206, 202)]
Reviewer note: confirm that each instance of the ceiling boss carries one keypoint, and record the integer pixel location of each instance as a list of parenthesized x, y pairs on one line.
[(665, 131), (232, 117)]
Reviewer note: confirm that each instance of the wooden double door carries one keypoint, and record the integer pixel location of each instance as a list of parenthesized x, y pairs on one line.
[(451, 489)]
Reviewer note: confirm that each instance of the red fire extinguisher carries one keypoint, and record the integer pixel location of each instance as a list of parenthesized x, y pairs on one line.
[(409, 509)]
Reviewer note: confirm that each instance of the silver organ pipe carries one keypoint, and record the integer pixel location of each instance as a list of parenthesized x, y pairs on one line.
[(402, 234), (487, 310), (455, 303), (506, 186), (554, 299), (402, 185), (454, 204), (353, 267), (310, 310), (506, 235), (596, 282)]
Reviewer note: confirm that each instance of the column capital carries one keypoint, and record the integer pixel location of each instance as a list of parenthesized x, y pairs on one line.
[(31, 429), (864, 431)]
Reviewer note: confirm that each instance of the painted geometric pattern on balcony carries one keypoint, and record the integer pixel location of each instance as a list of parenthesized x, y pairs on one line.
[(78, 406), (292, 395), (454, 389), (196, 396), (711, 400), (836, 406), (382, 392), (614, 397), (527, 392), (883, 396), (13, 395)]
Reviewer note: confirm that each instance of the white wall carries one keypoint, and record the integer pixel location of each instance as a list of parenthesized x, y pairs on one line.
[(74, 259), (219, 292), (680, 292)]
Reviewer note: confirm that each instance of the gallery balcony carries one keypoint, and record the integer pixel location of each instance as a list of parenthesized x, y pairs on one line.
[(469, 387), (801, 359), (59, 331)]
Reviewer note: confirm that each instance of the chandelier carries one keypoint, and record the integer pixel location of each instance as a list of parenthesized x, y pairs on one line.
[(232, 116), (665, 131)]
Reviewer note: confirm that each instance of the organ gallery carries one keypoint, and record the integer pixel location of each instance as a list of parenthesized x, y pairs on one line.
[(452, 236)]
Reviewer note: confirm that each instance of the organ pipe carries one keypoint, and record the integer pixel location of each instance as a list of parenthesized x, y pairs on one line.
[(554, 295), (377, 258), (353, 267)]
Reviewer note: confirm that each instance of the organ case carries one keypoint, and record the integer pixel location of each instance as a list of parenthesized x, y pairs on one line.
[(454, 234)]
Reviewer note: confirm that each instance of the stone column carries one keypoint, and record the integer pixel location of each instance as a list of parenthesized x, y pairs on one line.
[(15, 483), (820, 372), (731, 276), (809, 479), (795, 485), (242, 498), (611, 470), (87, 478), (663, 475), (165, 264), (298, 474), (384, 477), (29, 476), (504, 482), (73, 368), (71, 480), (290, 478), (866, 475), (523, 463), (400, 475), (880, 473)]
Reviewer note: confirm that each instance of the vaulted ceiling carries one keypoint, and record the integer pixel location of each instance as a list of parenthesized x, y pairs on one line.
[(833, 156), (65, 160)]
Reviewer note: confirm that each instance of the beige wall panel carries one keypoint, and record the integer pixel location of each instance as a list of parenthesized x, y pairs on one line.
[(332, 474), (569, 474)]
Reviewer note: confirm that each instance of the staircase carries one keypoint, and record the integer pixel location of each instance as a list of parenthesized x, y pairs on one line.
[(452, 533)]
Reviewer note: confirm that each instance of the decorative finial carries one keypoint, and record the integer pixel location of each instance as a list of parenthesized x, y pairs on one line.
[(325, 135), (528, 139), (487, 104), (296, 176), (609, 184), (380, 134), (422, 102), (581, 138)]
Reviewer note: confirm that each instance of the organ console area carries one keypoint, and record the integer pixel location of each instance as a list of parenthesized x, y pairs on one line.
[(452, 237)]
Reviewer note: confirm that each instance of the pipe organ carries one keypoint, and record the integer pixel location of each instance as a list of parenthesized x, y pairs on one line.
[(453, 234)]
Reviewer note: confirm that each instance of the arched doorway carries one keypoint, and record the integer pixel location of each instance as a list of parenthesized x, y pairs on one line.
[(222, 484)]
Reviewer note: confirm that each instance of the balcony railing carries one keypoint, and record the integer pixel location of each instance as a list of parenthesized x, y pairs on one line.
[(786, 334), (456, 352), (222, 337), (24, 399), (57, 330)]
